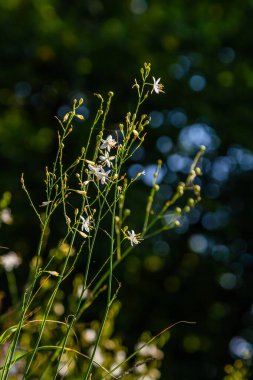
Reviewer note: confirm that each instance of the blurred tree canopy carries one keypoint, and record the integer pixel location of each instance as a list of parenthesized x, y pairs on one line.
[(54, 51)]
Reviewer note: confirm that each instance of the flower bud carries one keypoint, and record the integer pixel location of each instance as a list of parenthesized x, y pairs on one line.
[(187, 209), (127, 212), (196, 189), (81, 117), (66, 117), (191, 202), (53, 273), (198, 171)]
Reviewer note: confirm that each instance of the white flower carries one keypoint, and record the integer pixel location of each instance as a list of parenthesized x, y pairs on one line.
[(99, 172), (108, 143), (149, 350), (80, 292), (133, 237), (10, 261), (46, 203), (98, 357), (5, 216), (157, 87), (85, 223), (104, 176), (95, 170), (89, 335), (106, 158)]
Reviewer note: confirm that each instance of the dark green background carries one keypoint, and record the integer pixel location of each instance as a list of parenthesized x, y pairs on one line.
[(53, 51)]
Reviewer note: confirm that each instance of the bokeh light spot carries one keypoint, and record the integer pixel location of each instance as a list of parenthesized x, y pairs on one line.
[(228, 281), (161, 248), (157, 119), (153, 263), (191, 343), (226, 55), (197, 83), (177, 118), (138, 7), (134, 170), (179, 163), (198, 243), (241, 348), (164, 144), (195, 135), (150, 170)]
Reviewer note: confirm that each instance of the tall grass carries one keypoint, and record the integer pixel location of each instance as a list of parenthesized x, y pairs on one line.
[(89, 196)]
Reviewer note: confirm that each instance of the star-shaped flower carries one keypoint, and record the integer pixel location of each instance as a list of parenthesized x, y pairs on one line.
[(133, 237), (157, 87), (108, 143), (106, 159), (99, 173), (85, 223)]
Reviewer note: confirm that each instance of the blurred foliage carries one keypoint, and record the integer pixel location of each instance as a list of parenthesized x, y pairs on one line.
[(53, 51)]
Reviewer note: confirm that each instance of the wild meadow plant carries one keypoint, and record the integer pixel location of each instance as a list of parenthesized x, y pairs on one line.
[(51, 338)]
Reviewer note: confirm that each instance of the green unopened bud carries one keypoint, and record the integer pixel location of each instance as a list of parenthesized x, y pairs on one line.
[(117, 219), (187, 209), (76, 211), (178, 210), (202, 148), (180, 190), (196, 189), (110, 94), (191, 202), (156, 187), (127, 212), (198, 171), (177, 223)]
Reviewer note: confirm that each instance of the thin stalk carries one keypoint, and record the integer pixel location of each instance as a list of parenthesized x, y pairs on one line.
[(49, 306), (91, 248), (25, 307), (109, 294)]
